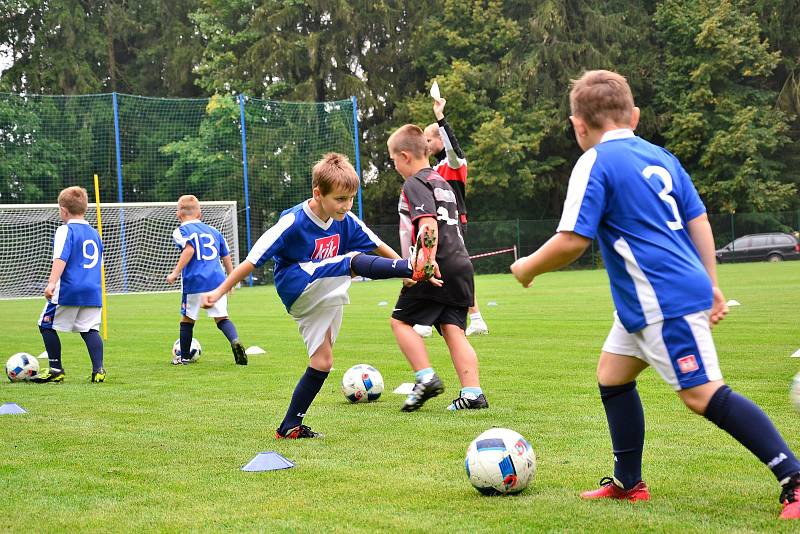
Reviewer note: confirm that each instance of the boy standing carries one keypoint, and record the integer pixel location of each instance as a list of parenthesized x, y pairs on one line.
[(317, 248), (430, 205), (73, 291), (656, 241), (202, 246)]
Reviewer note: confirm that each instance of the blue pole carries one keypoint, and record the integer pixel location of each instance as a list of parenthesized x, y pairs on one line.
[(119, 192), (246, 187), (358, 156)]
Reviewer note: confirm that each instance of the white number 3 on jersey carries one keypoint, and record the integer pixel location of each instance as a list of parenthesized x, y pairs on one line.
[(664, 194)]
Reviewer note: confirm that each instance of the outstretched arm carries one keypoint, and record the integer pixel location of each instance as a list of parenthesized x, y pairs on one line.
[(559, 251), (183, 261), (451, 147), (703, 238)]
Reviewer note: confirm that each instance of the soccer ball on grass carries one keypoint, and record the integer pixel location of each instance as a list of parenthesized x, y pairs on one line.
[(22, 366), (362, 383), (499, 462), (194, 352)]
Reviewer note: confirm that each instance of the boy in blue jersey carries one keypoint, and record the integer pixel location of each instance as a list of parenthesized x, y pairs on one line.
[(202, 247), (317, 247), (73, 291), (657, 245)]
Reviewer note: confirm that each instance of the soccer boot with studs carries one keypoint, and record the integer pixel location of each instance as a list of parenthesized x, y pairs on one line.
[(790, 498), (610, 490), (469, 403), (98, 376), (423, 391), (49, 376), (239, 355), (422, 267), (298, 432)]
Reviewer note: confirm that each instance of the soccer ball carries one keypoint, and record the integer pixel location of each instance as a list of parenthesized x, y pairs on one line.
[(362, 383), (500, 461), (194, 352), (22, 366), (794, 392)]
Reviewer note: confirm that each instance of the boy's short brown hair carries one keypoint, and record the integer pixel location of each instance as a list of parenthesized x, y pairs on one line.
[(334, 172), (74, 199), (601, 96), (408, 138), (188, 205)]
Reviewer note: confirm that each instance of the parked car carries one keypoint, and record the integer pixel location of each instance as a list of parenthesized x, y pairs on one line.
[(758, 247)]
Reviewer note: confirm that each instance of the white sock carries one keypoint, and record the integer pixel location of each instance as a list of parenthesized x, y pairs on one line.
[(475, 316)]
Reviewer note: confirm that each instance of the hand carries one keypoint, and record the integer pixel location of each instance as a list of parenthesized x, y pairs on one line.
[(49, 290), (438, 107), (209, 299), (172, 278), (518, 270), (719, 308)]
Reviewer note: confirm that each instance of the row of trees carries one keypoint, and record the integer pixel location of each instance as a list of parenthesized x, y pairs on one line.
[(718, 81)]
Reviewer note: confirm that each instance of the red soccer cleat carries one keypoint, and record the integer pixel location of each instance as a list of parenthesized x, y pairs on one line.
[(790, 498), (298, 432), (609, 490), (422, 266)]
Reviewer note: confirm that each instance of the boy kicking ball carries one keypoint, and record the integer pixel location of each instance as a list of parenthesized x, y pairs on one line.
[(656, 241)]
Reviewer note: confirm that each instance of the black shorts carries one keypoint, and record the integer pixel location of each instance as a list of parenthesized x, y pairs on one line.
[(429, 313)]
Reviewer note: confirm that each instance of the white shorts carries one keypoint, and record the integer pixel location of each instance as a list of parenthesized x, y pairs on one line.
[(681, 349), (319, 309), (190, 306), (70, 318)]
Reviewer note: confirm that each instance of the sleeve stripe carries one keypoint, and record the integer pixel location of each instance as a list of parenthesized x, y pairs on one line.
[(177, 236), (266, 241), (576, 190), (59, 241), (372, 236)]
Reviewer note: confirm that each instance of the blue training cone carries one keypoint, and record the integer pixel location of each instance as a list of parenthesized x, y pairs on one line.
[(10, 408), (268, 461)]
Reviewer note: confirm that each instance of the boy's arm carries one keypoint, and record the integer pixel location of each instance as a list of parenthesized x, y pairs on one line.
[(433, 227), (183, 261), (237, 275), (559, 251), (386, 251), (55, 274), (703, 238), (227, 263), (451, 146)]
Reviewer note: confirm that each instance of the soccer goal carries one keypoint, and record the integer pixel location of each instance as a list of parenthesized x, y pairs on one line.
[(137, 240)]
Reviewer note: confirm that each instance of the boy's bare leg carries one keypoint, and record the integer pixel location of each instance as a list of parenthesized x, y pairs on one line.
[(463, 355), (411, 345)]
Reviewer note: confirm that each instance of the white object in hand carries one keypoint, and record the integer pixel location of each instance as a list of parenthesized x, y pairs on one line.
[(435, 91)]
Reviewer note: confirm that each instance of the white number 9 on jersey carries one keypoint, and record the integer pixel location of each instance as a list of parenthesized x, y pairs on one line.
[(664, 194), (91, 252)]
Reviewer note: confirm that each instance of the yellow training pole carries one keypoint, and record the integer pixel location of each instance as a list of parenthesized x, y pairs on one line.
[(103, 263)]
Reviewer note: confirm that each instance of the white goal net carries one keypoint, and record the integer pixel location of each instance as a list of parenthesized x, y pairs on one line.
[(137, 240)]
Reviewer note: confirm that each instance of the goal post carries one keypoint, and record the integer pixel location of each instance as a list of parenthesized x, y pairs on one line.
[(139, 251)]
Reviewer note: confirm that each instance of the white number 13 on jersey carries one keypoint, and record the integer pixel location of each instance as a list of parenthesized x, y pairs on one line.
[(664, 194)]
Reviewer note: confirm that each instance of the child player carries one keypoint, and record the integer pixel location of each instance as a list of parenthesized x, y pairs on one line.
[(317, 246), (202, 247), (657, 245), (430, 204), (73, 291)]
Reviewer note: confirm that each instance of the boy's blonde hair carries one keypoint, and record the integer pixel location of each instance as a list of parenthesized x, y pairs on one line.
[(334, 172), (601, 96), (409, 138), (75, 200), (188, 205)]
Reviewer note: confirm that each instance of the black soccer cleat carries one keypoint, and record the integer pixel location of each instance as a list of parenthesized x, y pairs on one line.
[(465, 403), (422, 391), (49, 376), (239, 355), (298, 432), (98, 376)]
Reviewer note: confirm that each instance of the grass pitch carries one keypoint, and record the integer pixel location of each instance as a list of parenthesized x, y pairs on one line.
[(159, 448)]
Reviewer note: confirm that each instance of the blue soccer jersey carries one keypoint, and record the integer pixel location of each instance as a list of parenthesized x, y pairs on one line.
[(79, 245), (301, 238), (204, 271), (636, 198)]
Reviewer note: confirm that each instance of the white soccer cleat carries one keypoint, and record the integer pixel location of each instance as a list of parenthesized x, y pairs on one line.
[(423, 330), (477, 328)]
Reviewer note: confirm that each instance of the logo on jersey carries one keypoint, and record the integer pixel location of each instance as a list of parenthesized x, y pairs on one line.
[(687, 364), (444, 195), (326, 247), (421, 208)]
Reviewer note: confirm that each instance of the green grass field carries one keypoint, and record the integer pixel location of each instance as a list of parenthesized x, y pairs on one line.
[(159, 448)]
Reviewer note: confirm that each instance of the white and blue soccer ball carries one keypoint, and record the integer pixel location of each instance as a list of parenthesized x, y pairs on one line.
[(499, 462), (194, 351), (794, 392), (22, 366), (362, 383)]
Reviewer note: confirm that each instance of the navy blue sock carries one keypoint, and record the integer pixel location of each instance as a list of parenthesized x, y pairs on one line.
[(378, 268), (186, 340), (626, 423), (52, 344), (94, 344), (749, 425), (304, 393), (229, 329)]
